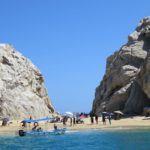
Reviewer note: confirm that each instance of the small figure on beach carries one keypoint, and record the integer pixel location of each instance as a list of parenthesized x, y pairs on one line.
[(109, 118), (55, 127), (92, 120), (91, 117), (103, 119), (64, 120), (74, 120), (30, 119), (70, 121), (5, 121), (96, 119)]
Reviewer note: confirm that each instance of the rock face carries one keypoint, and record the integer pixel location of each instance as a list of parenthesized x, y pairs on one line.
[(126, 83), (22, 93)]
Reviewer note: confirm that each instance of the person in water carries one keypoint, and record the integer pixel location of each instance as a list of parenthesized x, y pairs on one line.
[(36, 127), (24, 124)]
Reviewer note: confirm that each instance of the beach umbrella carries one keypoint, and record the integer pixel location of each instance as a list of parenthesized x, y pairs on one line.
[(104, 113), (82, 117), (119, 112), (69, 114)]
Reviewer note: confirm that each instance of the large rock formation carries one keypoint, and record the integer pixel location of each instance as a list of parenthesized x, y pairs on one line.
[(22, 93), (126, 83)]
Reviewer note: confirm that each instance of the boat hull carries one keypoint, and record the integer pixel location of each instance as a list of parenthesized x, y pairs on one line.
[(43, 132)]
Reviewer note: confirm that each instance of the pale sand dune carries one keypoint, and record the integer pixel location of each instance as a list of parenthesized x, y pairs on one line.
[(134, 122)]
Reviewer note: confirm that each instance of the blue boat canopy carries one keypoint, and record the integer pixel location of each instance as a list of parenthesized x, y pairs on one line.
[(38, 120)]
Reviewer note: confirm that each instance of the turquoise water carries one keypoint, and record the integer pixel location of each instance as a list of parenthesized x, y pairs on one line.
[(85, 140)]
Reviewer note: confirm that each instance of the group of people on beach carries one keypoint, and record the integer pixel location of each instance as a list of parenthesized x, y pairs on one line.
[(36, 127), (104, 117), (72, 120), (92, 116), (75, 120)]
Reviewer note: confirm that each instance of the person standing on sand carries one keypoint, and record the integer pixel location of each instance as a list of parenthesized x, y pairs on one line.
[(55, 127), (92, 120), (91, 117), (109, 118), (103, 119), (70, 121), (64, 121), (74, 120), (96, 119), (30, 119)]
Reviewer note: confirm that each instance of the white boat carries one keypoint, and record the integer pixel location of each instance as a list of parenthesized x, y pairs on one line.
[(39, 131), (58, 131)]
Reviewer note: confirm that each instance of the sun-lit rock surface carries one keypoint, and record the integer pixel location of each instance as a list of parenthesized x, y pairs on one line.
[(125, 85), (22, 93)]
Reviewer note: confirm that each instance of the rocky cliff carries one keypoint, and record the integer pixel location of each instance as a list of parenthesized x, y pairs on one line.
[(126, 83), (22, 93)]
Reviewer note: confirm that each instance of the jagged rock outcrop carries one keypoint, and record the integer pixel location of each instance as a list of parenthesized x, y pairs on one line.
[(22, 93), (126, 83)]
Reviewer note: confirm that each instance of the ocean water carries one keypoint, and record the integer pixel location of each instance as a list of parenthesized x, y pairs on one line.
[(83, 140)]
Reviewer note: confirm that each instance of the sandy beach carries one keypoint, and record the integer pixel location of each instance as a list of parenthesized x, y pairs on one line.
[(124, 123)]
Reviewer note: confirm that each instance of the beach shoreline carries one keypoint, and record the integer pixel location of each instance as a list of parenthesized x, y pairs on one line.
[(137, 122)]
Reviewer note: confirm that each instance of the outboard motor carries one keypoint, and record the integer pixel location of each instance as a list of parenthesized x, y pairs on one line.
[(22, 133)]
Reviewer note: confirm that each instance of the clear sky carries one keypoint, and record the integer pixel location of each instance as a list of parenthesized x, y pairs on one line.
[(69, 41)]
